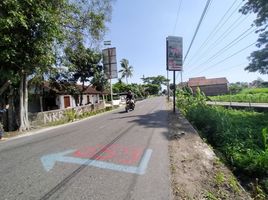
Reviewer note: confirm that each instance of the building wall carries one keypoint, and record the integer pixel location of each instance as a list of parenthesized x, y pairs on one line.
[(93, 99), (212, 90), (60, 101)]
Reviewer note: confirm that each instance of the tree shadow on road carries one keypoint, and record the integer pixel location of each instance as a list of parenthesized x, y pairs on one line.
[(173, 125)]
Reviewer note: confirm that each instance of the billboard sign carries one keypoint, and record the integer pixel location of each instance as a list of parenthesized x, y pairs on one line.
[(174, 53), (109, 62)]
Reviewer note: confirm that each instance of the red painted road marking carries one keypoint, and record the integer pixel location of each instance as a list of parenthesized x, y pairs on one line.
[(116, 153)]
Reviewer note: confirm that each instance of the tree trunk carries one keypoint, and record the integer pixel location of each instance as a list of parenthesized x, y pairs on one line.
[(24, 121), (41, 89), (81, 94), (41, 103), (11, 111)]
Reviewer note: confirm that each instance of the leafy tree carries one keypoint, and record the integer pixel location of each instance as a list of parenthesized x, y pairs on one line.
[(27, 32), (120, 87), (152, 89), (31, 33), (84, 21), (137, 89), (257, 83), (258, 59), (127, 71), (83, 61), (99, 81), (159, 80), (155, 80)]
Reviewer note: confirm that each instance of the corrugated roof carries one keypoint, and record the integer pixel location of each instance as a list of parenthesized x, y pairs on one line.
[(199, 81)]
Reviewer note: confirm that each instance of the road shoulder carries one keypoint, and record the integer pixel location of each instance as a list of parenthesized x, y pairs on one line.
[(197, 173)]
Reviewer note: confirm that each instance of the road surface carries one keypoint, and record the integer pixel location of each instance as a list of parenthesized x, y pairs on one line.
[(113, 156)]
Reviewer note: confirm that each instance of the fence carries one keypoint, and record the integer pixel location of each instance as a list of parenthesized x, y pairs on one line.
[(44, 118)]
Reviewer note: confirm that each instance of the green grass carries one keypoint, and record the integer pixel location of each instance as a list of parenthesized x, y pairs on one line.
[(254, 91), (240, 136), (243, 97), (253, 95)]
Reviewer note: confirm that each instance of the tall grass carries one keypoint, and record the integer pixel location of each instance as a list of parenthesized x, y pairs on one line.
[(253, 95), (243, 97), (254, 90), (240, 136)]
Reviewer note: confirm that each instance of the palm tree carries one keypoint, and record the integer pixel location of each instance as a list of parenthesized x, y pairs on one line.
[(127, 71)]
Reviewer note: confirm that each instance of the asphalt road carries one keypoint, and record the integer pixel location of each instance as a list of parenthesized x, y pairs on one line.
[(113, 156)]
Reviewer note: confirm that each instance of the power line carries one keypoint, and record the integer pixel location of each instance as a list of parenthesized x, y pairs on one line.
[(211, 35), (197, 28), (227, 57), (233, 67), (178, 13), (228, 46), (228, 18), (228, 31), (216, 43)]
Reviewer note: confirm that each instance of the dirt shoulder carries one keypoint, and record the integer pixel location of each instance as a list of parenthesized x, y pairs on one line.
[(196, 172)]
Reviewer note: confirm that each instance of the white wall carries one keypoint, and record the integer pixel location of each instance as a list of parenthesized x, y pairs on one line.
[(92, 99)]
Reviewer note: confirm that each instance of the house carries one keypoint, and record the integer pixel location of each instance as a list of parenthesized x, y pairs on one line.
[(47, 98), (210, 87)]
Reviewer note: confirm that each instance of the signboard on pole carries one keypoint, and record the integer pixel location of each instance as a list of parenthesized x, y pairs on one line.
[(174, 53), (109, 62)]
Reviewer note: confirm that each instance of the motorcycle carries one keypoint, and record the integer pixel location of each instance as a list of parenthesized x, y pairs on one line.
[(130, 105)]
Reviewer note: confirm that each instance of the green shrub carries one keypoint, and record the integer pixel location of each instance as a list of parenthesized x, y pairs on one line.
[(256, 95), (240, 136), (254, 90), (70, 114)]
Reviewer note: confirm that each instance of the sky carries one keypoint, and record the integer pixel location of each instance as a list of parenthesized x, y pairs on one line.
[(139, 29)]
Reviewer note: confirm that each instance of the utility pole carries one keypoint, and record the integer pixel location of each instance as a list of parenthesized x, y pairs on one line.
[(168, 87), (174, 92)]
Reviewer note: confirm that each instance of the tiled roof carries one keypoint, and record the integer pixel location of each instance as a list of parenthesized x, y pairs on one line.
[(89, 90), (199, 81)]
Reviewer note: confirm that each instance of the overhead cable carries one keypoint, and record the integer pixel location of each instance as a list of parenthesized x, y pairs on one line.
[(231, 68), (228, 18), (228, 46), (217, 42), (197, 28), (230, 56), (212, 33), (177, 17)]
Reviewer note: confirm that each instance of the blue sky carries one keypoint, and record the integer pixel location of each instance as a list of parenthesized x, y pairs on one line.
[(139, 29)]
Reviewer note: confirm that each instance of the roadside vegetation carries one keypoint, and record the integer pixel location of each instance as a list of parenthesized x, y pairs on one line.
[(254, 95), (240, 138)]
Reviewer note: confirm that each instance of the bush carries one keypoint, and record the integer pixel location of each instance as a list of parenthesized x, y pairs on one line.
[(240, 136)]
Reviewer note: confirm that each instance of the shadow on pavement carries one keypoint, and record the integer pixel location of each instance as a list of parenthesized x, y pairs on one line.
[(174, 124)]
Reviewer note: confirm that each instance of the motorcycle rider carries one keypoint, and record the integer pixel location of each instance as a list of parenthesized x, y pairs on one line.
[(130, 99), (129, 95)]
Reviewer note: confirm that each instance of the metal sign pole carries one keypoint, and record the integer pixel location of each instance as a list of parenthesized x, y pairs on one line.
[(174, 92), (167, 86), (110, 72)]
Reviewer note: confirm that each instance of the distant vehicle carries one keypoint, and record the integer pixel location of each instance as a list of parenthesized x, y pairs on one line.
[(130, 105)]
